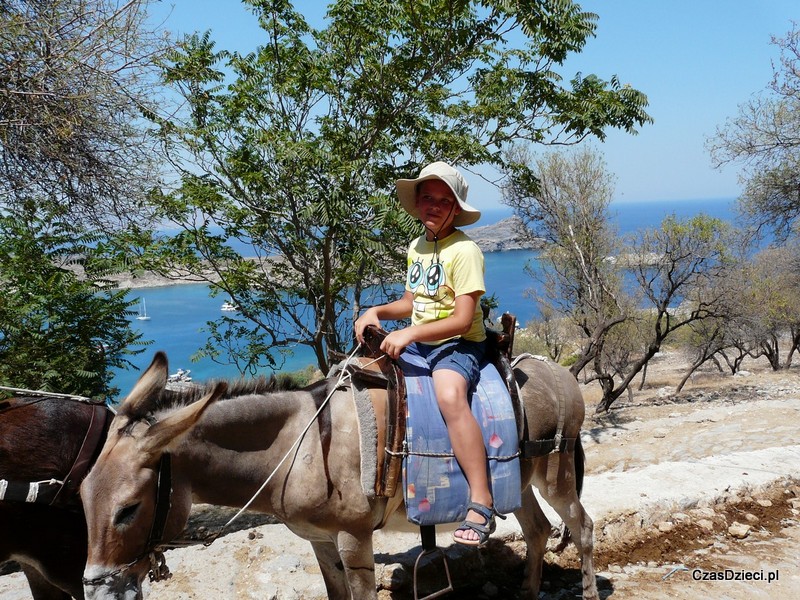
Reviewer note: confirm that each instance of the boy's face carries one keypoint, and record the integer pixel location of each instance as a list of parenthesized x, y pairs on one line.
[(437, 207)]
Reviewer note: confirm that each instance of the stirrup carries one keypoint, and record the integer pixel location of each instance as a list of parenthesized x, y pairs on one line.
[(429, 547)]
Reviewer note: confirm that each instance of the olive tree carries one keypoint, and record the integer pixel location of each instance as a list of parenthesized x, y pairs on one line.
[(765, 139), (562, 200), (287, 154)]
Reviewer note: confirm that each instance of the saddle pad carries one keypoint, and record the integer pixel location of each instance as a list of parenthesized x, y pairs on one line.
[(435, 489)]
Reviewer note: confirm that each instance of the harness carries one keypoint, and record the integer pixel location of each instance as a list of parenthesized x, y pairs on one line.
[(59, 492), (391, 407)]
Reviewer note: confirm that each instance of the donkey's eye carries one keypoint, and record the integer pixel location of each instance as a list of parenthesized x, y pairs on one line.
[(125, 515)]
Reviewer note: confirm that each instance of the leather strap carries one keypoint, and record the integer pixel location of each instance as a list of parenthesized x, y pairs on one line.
[(86, 454), (163, 501)]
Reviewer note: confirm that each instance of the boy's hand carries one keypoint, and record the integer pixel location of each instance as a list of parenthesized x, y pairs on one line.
[(368, 318), (396, 342)]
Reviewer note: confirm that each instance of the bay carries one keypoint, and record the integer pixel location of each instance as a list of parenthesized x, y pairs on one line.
[(178, 314)]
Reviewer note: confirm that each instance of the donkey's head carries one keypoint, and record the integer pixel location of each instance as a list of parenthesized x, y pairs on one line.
[(132, 503)]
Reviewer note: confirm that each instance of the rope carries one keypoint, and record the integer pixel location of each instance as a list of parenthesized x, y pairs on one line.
[(33, 488), (343, 374), (403, 453), (24, 392)]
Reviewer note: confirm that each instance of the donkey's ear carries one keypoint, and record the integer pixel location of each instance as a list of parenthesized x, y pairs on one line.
[(147, 389), (166, 434)]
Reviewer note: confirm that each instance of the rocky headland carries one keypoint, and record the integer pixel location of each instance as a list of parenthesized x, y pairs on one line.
[(502, 236)]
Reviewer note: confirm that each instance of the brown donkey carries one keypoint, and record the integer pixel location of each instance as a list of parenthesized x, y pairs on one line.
[(310, 468), (47, 444)]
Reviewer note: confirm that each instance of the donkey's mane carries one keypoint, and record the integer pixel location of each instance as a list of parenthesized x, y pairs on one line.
[(176, 398)]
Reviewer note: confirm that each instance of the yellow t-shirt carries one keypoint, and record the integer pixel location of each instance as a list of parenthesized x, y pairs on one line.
[(436, 279)]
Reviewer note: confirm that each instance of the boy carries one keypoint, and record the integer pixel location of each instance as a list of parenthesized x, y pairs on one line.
[(443, 289)]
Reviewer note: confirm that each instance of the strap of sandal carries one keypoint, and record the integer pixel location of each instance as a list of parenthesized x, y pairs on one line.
[(485, 511)]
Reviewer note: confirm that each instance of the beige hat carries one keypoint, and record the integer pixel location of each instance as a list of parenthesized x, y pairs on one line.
[(407, 191)]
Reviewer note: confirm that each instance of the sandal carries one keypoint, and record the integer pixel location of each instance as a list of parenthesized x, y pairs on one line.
[(483, 530)]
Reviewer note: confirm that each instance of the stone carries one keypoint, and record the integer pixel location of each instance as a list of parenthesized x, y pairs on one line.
[(751, 518), (706, 524), (703, 513), (739, 530), (681, 517), (666, 526)]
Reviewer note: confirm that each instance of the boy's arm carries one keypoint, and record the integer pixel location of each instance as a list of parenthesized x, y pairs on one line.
[(456, 324), (399, 309)]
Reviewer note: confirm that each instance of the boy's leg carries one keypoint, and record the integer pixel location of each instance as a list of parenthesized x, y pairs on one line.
[(466, 438)]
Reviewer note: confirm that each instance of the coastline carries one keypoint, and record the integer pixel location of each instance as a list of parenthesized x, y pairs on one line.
[(498, 237)]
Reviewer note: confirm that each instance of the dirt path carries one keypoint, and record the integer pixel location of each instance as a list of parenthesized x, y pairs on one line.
[(694, 495)]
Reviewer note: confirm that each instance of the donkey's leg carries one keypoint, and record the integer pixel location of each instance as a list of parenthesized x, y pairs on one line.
[(359, 563), (332, 570), (556, 483), (535, 529)]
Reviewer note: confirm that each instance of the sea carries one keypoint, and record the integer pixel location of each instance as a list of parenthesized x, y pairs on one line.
[(178, 314)]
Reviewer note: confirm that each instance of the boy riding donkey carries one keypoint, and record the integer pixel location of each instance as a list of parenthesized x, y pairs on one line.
[(442, 294)]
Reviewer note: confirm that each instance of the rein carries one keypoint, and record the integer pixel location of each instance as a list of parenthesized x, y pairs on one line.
[(343, 375), (40, 393)]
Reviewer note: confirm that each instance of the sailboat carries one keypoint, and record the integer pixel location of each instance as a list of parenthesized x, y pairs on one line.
[(143, 312)]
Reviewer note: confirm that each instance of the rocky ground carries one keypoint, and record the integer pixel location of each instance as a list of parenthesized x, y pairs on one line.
[(693, 495)]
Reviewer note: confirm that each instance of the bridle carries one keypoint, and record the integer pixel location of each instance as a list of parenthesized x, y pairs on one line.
[(153, 549)]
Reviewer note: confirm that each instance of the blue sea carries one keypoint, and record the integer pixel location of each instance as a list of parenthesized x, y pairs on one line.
[(178, 314)]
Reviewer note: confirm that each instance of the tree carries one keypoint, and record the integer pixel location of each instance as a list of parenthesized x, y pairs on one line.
[(676, 268), (292, 150), (769, 303), (765, 139), (58, 331), (549, 332), (562, 199), (75, 80)]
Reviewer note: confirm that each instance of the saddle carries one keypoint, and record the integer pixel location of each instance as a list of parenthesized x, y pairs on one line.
[(391, 408)]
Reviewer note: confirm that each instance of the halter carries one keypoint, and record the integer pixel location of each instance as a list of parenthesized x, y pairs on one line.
[(152, 549)]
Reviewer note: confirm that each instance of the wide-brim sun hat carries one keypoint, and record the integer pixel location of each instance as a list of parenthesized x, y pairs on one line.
[(407, 192)]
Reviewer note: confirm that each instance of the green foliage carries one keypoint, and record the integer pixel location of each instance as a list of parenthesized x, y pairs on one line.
[(58, 331), (74, 165), (293, 149), (298, 379), (527, 342)]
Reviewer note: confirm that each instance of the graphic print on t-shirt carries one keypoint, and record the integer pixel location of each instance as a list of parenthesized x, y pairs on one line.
[(429, 286)]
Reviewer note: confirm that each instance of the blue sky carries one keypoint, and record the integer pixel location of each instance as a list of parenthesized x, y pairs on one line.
[(697, 61)]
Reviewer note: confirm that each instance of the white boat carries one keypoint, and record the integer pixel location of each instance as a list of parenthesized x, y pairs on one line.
[(143, 312), (229, 306), (181, 375)]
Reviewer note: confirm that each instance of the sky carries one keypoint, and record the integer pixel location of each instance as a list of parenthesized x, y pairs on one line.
[(696, 60)]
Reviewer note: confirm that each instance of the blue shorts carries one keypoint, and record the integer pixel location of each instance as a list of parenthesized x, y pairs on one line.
[(461, 356)]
